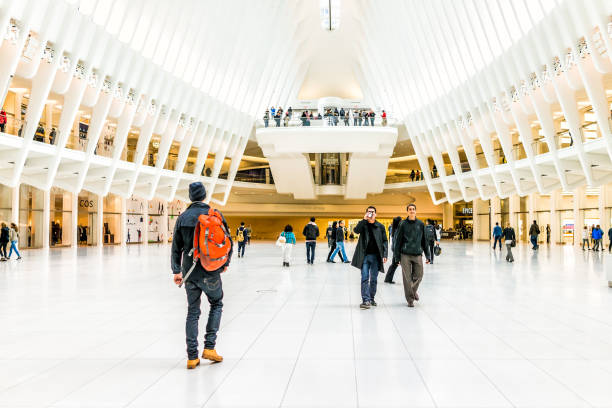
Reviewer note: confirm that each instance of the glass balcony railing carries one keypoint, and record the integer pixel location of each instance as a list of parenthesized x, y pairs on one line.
[(297, 120)]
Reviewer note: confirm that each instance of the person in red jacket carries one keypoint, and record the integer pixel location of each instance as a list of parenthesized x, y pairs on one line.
[(2, 120)]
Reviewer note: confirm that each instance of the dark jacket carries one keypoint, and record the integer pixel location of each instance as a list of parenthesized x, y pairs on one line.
[(534, 230), (380, 236), (340, 234), (508, 234), (330, 234), (4, 235), (410, 239), (182, 242), (610, 234), (311, 231)]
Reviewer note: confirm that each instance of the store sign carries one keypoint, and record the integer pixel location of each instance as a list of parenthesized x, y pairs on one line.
[(86, 203)]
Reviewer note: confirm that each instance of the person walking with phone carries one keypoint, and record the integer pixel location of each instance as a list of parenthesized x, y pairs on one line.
[(409, 246), (311, 232), (370, 255), (510, 241), (200, 280)]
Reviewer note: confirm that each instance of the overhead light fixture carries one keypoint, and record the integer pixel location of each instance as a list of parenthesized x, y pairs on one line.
[(330, 14)]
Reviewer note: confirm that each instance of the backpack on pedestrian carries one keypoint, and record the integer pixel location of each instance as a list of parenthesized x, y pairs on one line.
[(430, 233), (211, 242), (240, 237)]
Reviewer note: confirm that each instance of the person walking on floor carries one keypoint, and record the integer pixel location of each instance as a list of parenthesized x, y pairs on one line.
[(497, 236), (395, 260), (13, 237), (585, 238), (610, 239), (311, 232), (548, 233), (510, 241), (370, 255), (200, 281), (339, 244), (331, 240), (430, 238), (289, 244), (241, 234), (597, 236), (408, 247), (534, 231), (4, 240)]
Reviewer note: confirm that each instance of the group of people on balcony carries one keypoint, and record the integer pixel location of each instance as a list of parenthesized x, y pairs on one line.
[(416, 175), (361, 117)]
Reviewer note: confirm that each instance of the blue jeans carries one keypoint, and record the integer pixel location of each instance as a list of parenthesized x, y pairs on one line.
[(14, 247), (212, 288), (241, 246), (310, 251), (369, 278), (339, 247), (534, 241), (497, 239)]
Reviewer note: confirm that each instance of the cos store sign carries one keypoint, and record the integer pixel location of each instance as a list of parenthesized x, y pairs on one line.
[(86, 203)]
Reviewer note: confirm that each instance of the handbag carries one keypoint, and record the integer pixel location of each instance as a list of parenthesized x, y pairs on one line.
[(437, 250), (513, 243), (281, 240)]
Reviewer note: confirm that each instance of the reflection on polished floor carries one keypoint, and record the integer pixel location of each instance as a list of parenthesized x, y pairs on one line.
[(98, 328)]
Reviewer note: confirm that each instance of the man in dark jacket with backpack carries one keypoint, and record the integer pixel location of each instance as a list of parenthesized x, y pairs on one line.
[(200, 279), (370, 255), (241, 238), (430, 238)]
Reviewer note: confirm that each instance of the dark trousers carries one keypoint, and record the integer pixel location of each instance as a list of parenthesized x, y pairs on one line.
[(609, 247), (391, 271), (431, 245), (310, 251), (3, 252), (331, 251), (497, 239), (534, 241), (211, 286), (369, 277), (241, 246)]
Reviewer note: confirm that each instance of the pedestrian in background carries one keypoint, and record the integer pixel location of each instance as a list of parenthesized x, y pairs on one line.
[(289, 244)]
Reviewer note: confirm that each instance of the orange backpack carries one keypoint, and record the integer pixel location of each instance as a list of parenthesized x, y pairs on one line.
[(211, 242)]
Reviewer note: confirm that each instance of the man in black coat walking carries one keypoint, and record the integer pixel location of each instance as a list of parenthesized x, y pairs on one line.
[(370, 255)]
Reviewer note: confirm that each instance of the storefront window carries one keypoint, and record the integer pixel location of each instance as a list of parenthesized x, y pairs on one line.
[(6, 195), (112, 219), (175, 208), (61, 217), (30, 217), (156, 209), (87, 226), (566, 221), (135, 219)]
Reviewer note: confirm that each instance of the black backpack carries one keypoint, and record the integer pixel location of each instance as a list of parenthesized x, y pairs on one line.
[(430, 233)]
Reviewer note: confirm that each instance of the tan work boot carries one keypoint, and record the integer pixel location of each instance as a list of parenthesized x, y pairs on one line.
[(193, 363), (211, 354)]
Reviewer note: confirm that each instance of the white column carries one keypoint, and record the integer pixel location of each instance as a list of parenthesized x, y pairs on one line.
[(496, 212), (15, 206), (578, 221), (513, 207), (18, 100), (46, 219), (475, 223), (145, 217), (48, 119), (604, 222), (123, 234), (447, 216), (74, 227), (164, 222), (555, 228), (100, 221)]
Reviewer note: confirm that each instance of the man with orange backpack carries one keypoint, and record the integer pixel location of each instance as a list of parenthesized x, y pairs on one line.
[(201, 250)]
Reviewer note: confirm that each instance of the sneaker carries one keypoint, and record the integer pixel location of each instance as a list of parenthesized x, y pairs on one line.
[(365, 305), (346, 262), (191, 364), (411, 304), (332, 261), (416, 296), (373, 303), (18, 258), (211, 354)]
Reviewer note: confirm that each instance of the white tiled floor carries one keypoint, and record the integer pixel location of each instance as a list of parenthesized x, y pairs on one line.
[(105, 328)]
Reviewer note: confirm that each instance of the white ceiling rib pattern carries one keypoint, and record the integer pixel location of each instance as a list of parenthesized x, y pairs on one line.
[(460, 71), (192, 71)]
